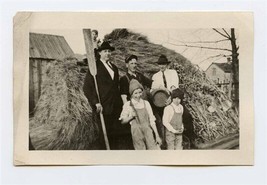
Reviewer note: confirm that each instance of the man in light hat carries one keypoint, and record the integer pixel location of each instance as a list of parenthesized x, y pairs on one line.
[(110, 102), (131, 64)]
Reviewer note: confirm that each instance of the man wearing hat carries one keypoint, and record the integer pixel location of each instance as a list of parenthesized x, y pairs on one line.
[(110, 102), (165, 78), (131, 64)]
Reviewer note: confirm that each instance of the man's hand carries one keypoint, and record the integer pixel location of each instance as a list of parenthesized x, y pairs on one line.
[(99, 108)]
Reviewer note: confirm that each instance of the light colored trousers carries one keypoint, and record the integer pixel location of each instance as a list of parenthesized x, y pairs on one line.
[(174, 141)]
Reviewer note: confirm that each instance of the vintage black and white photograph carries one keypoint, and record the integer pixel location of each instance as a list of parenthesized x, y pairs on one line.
[(96, 88), (134, 89)]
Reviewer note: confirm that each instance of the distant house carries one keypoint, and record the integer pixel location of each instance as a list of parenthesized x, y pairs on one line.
[(43, 49), (221, 74)]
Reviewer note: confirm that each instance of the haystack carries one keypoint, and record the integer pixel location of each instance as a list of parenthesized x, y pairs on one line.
[(63, 118), (213, 115)]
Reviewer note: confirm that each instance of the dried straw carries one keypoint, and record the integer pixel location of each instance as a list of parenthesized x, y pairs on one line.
[(63, 118)]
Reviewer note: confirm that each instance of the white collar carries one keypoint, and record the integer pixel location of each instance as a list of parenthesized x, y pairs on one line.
[(104, 62)]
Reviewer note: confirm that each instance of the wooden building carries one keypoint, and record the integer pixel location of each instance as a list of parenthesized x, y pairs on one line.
[(221, 74), (43, 49)]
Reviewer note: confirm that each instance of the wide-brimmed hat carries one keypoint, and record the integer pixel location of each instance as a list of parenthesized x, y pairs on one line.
[(163, 60), (130, 57), (105, 45), (177, 93)]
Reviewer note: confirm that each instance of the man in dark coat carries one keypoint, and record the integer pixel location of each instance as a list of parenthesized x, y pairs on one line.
[(131, 64), (110, 102)]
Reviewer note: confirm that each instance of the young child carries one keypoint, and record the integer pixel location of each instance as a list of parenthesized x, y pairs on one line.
[(172, 120), (138, 113)]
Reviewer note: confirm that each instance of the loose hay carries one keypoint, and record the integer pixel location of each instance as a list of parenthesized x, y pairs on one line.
[(63, 118), (214, 116)]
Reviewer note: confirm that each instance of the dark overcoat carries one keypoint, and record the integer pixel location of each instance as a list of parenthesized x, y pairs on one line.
[(108, 89), (119, 135)]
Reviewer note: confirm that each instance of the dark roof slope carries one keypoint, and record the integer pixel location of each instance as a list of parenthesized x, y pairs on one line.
[(225, 67), (49, 46)]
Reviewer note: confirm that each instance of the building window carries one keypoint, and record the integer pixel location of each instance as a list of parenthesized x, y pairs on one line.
[(213, 71)]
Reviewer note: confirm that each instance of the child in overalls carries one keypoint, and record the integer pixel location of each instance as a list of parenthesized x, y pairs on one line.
[(138, 113), (172, 120)]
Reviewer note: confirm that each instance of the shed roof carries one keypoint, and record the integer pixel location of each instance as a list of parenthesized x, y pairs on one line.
[(49, 46)]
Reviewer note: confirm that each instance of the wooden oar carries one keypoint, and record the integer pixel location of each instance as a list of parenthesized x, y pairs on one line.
[(92, 67)]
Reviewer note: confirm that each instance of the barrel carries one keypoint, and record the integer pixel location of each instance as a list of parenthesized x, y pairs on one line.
[(159, 97)]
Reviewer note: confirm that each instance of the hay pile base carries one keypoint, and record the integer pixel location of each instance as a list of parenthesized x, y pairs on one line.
[(63, 118)]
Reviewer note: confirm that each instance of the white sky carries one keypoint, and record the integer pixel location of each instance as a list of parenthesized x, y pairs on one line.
[(161, 36)]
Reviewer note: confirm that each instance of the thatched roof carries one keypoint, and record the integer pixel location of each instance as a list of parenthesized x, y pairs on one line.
[(48, 46)]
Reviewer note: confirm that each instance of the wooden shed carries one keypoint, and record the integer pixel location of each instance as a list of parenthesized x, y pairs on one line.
[(43, 49)]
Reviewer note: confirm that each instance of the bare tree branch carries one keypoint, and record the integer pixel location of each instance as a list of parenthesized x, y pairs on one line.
[(201, 47), (215, 56), (221, 33), (208, 59), (202, 42), (199, 42), (226, 33), (184, 50)]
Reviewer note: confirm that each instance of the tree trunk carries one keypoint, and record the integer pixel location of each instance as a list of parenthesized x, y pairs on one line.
[(235, 68)]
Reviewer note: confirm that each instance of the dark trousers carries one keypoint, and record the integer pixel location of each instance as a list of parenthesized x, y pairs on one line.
[(119, 135), (111, 134)]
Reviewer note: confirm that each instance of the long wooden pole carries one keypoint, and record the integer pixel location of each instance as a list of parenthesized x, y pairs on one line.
[(92, 68)]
